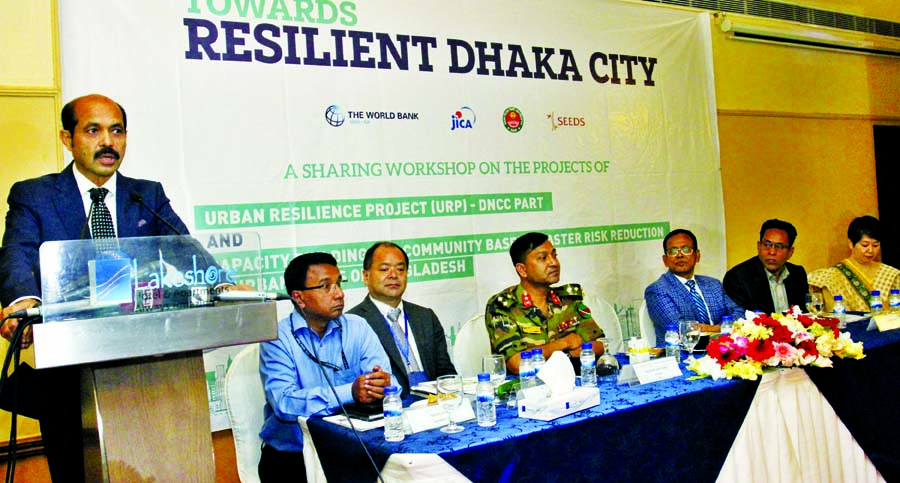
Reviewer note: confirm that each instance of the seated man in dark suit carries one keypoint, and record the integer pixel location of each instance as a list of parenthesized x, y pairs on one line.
[(767, 282), (679, 295), (415, 358)]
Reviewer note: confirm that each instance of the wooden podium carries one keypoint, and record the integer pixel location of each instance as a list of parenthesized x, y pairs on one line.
[(145, 409)]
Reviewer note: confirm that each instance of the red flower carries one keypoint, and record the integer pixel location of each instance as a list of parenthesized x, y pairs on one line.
[(766, 321), (781, 333), (760, 350), (810, 347), (723, 350)]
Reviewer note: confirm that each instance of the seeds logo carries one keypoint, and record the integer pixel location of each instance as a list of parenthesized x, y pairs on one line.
[(513, 120), (565, 121), (464, 118)]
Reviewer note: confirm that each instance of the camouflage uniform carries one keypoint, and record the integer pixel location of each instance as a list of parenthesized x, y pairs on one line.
[(514, 323)]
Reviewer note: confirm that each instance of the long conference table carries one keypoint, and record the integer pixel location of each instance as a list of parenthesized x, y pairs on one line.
[(813, 424)]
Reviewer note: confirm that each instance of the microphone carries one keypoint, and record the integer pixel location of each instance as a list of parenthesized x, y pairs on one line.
[(248, 296), (140, 199), (344, 411), (25, 314)]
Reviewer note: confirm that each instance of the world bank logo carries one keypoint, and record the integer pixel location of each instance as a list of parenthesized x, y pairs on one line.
[(334, 115)]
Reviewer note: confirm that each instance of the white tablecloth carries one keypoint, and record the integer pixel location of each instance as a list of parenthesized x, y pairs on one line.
[(792, 434)]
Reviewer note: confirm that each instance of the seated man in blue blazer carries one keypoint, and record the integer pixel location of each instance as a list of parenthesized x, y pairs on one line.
[(679, 295), (412, 335)]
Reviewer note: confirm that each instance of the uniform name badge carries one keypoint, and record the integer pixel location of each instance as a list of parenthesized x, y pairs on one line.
[(416, 378)]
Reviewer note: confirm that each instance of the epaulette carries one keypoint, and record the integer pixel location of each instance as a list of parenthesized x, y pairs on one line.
[(569, 290), (505, 299)]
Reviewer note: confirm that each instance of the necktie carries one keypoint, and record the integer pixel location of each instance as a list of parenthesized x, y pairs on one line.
[(101, 220), (402, 340), (702, 316)]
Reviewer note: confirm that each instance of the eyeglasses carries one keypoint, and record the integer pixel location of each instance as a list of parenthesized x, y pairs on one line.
[(674, 251), (329, 287), (779, 247)]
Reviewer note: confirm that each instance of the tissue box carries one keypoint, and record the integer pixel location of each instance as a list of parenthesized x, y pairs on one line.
[(536, 406)]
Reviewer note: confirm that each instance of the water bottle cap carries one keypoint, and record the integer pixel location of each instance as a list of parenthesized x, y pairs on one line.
[(391, 390), (726, 318), (537, 353), (484, 377), (895, 291), (586, 346), (838, 297), (672, 327), (876, 293), (526, 354)]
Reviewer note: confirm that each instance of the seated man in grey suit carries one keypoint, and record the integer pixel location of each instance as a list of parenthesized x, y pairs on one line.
[(416, 357)]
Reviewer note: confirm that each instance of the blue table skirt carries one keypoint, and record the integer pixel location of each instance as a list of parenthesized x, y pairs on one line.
[(675, 430), (866, 397)]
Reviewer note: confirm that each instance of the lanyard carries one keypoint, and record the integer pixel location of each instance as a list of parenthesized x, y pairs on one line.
[(315, 359), (404, 348)]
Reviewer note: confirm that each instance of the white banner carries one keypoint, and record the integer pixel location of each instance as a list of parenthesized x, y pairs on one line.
[(447, 127)]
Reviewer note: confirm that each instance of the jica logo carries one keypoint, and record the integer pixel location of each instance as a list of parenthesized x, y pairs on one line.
[(334, 115), (464, 118)]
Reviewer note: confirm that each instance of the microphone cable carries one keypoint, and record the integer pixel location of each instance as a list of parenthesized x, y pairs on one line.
[(344, 410), (13, 353)]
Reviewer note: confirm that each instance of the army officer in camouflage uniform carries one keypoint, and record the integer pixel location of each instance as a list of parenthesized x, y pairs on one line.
[(534, 314)]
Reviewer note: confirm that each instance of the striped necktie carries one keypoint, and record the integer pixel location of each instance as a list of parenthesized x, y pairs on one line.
[(699, 304), (401, 338)]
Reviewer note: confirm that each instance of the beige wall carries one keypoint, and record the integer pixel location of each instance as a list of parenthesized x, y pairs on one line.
[(29, 103), (795, 130)]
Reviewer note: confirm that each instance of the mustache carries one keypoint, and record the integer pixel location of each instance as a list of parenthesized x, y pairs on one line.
[(107, 150)]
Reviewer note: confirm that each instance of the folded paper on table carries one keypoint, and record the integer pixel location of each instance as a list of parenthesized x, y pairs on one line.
[(884, 322), (359, 424)]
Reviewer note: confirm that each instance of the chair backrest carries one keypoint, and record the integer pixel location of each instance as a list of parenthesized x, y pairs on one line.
[(606, 318), (648, 333), (472, 343), (245, 400)]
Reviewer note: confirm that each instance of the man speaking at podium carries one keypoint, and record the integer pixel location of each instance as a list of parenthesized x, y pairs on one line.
[(56, 207)]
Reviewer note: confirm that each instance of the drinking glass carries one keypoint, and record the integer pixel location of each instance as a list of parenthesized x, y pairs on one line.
[(450, 398), (814, 303), (607, 366), (690, 334), (495, 365)]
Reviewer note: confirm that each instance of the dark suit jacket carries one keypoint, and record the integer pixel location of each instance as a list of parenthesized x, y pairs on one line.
[(748, 285), (49, 208), (429, 336), (669, 301)]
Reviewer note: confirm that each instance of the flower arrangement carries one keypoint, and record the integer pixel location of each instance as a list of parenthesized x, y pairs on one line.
[(774, 340)]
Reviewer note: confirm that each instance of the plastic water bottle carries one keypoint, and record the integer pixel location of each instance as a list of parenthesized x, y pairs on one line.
[(485, 410), (727, 325), (393, 414), (588, 365), (875, 302), (894, 301), (526, 369), (840, 311), (673, 341), (537, 360)]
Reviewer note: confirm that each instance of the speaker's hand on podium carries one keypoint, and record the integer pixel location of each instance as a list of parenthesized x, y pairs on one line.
[(9, 327)]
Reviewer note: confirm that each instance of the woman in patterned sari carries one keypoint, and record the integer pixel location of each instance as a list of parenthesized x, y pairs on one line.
[(856, 276)]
